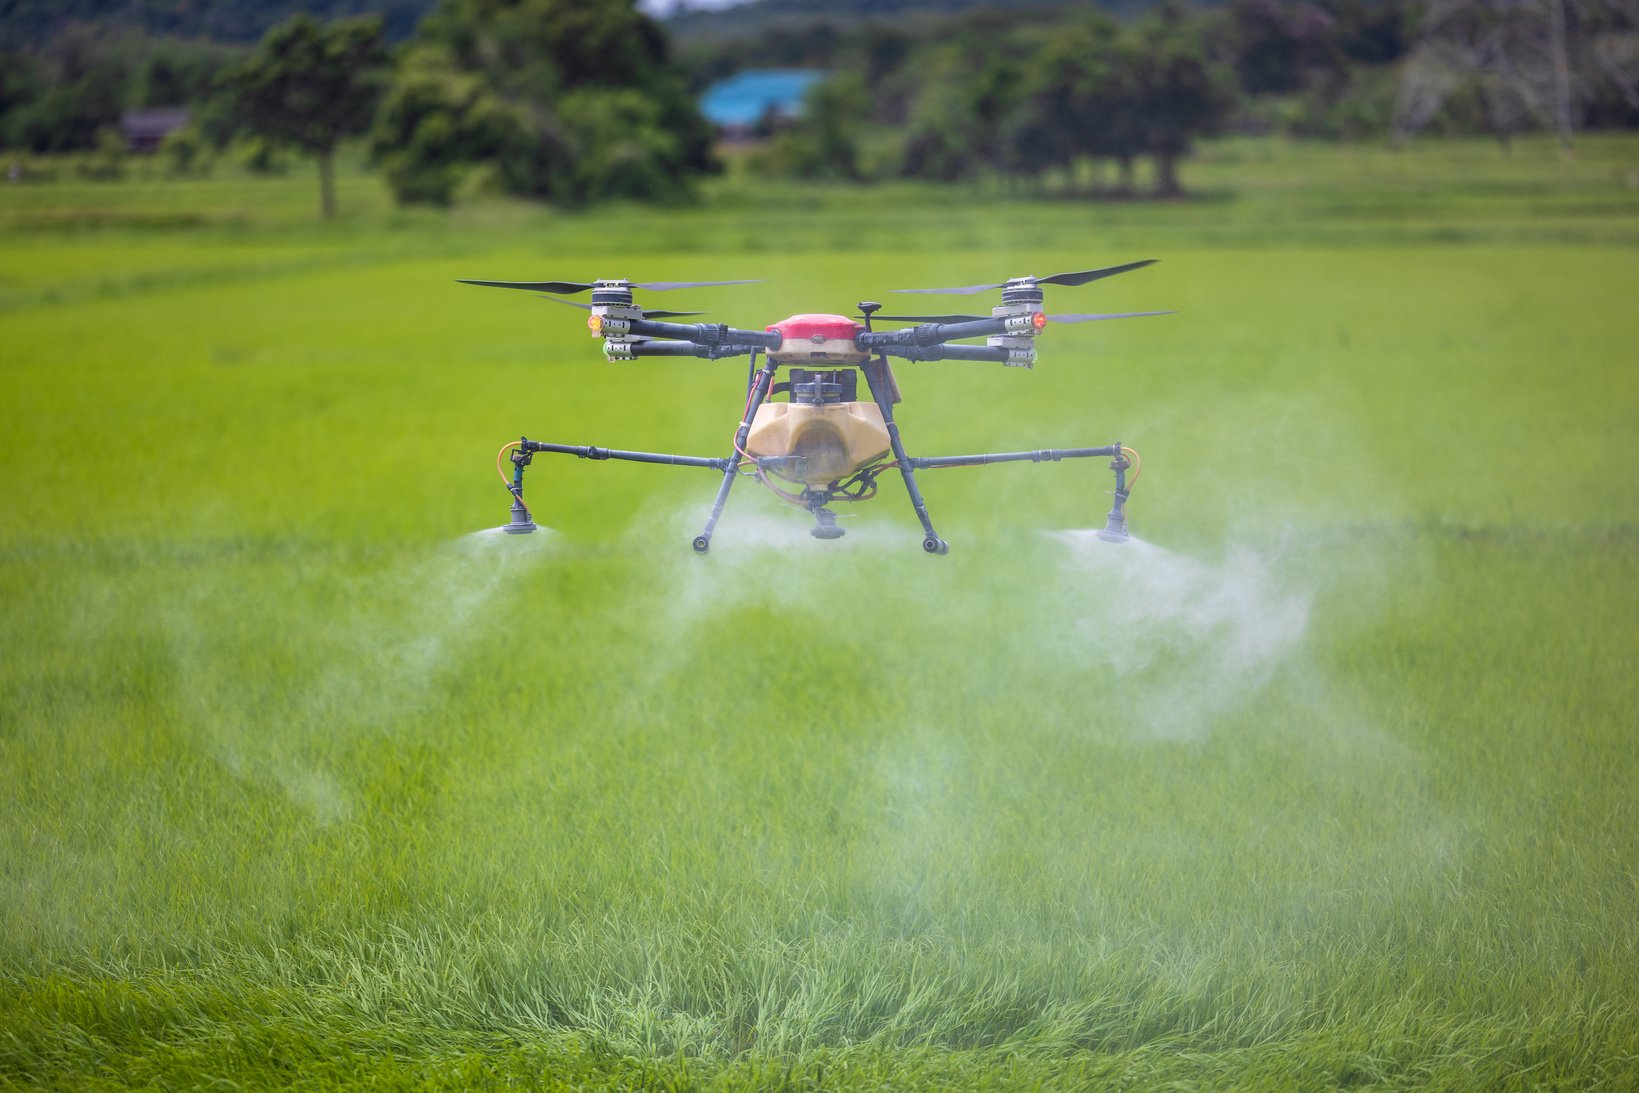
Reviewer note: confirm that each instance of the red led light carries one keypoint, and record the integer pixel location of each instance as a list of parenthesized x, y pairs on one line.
[(1039, 319)]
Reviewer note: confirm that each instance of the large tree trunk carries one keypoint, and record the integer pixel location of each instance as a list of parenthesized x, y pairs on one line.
[(327, 183), (1166, 174)]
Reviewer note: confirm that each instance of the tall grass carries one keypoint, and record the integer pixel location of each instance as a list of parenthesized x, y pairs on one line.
[(1327, 783)]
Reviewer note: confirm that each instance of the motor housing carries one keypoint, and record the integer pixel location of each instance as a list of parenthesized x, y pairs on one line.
[(1021, 303)]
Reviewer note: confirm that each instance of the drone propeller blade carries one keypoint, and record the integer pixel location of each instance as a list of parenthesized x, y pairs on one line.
[(930, 318), (1068, 279), (965, 290), (1082, 278), (569, 288), (666, 286), (1095, 318), (565, 287), (647, 314)]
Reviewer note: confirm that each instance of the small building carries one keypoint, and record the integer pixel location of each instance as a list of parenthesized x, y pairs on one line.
[(741, 103), (146, 130)]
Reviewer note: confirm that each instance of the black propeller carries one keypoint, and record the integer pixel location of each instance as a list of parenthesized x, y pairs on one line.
[(569, 288), (1068, 279), (647, 314)]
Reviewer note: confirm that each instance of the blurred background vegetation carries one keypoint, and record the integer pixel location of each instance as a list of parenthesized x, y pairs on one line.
[(574, 101)]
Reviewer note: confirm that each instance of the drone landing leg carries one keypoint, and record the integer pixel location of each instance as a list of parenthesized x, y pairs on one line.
[(759, 390), (876, 376)]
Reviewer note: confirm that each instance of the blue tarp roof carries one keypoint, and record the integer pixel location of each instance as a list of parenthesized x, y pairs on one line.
[(742, 99)]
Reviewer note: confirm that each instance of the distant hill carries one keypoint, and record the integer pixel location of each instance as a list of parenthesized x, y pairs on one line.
[(759, 15), (25, 24)]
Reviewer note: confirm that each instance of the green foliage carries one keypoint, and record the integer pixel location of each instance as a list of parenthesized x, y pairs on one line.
[(58, 96), (187, 150), (825, 145), (24, 23), (1181, 93), (306, 87), (999, 98), (567, 100), (1081, 99), (77, 88), (434, 119), (107, 161)]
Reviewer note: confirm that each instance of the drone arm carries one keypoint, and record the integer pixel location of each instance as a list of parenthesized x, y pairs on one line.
[(994, 354), (926, 334), (622, 350), (593, 452), (696, 333)]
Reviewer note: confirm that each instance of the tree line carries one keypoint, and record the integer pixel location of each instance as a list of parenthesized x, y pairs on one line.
[(571, 101), (1072, 95)]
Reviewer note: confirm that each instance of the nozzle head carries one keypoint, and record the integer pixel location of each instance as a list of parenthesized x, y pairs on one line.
[(1115, 528), (522, 523)]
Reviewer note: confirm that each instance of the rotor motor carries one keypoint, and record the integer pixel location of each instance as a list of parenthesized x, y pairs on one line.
[(613, 311), (1021, 304)]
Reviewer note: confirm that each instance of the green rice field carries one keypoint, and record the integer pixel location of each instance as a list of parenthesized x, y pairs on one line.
[(1326, 780)]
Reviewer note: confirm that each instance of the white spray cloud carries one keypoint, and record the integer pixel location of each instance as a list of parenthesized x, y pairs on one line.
[(1204, 635), (378, 653)]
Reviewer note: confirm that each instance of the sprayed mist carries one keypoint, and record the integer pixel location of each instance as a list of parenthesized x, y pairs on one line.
[(385, 643)]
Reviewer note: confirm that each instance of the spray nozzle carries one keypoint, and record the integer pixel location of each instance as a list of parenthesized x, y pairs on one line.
[(1115, 524), (521, 523)]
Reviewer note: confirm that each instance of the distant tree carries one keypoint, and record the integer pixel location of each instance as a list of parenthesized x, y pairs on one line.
[(824, 142), (74, 90), (1181, 93), (567, 100), (1371, 32), (1279, 46), (1081, 100), (307, 86), (967, 99), (434, 120), (1548, 62)]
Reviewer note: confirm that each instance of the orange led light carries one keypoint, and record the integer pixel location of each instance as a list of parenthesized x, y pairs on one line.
[(594, 323), (1039, 320)]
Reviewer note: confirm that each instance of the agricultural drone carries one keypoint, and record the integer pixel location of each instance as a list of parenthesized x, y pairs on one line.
[(823, 444)]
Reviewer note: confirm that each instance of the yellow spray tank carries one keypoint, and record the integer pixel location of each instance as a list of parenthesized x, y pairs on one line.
[(824, 433), (823, 441)]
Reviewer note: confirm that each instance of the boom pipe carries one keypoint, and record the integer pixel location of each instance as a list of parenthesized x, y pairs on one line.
[(706, 333), (931, 333), (592, 452), (1047, 455)]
